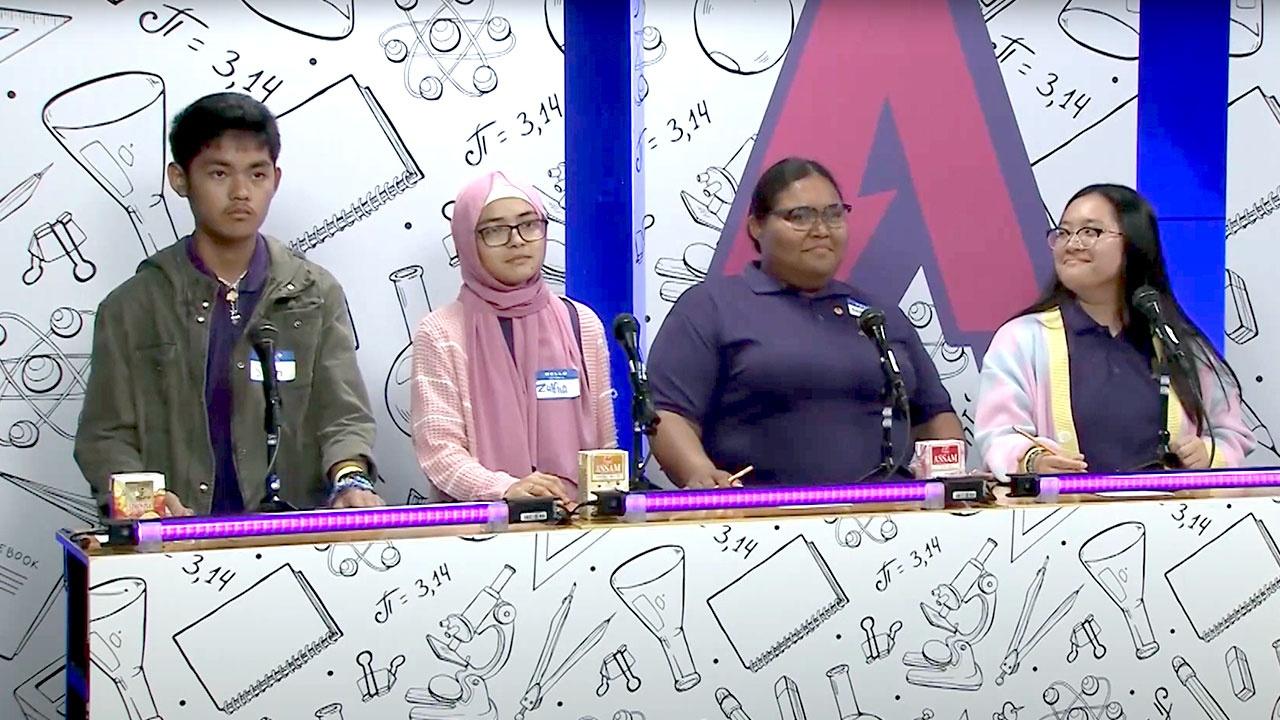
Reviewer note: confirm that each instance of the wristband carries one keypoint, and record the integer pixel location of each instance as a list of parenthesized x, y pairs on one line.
[(1029, 460), (347, 468), (351, 480)]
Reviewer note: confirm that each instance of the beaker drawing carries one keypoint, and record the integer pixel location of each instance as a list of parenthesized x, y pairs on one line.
[(114, 126), (1116, 558), (117, 639), (411, 292), (652, 586)]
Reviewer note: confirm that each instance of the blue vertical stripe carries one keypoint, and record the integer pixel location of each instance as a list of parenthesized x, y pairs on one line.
[(602, 182), (1183, 54)]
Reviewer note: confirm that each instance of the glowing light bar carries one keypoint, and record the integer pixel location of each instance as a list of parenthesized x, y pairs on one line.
[(320, 521), (1244, 478), (639, 504)]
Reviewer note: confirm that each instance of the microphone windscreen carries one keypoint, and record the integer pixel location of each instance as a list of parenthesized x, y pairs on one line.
[(1147, 300), (871, 319), (264, 332), (625, 324)]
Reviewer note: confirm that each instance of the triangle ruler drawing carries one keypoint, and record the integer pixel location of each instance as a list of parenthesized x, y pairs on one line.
[(20, 29), (1031, 526), (555, 549)]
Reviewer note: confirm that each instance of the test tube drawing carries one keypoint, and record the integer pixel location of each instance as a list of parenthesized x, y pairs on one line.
[(1116, 558), (117, 640), (114, 126), (411, 293), (652, 586), (846, 701)]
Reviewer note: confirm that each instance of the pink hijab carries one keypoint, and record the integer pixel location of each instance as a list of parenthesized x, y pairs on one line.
[(515, 432)]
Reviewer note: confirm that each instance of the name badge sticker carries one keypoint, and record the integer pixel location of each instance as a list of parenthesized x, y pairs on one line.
[(286, 367), (560, 384), (854, 307)]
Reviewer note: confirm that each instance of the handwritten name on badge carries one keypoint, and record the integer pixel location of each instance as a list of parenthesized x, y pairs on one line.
[(557, 384)]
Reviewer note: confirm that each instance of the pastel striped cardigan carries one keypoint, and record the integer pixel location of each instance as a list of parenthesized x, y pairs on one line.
[(1026, 383), (440, 403)]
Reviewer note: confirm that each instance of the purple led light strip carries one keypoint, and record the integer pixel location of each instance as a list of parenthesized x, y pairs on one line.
[(741, 498), (1172, 481), (320, 521)]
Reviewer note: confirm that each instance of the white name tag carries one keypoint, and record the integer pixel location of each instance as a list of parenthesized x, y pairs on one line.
[(557, 384), (854, 307), (286, 367)]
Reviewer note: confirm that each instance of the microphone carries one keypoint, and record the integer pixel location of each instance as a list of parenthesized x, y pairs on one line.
[(263, 340), (626, 329), (871, 323), (1147, 300)]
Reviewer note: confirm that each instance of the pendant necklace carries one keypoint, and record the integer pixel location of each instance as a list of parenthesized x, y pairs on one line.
[(233, 297)]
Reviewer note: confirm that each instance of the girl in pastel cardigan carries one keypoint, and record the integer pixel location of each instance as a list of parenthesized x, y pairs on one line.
[(1106, 247)]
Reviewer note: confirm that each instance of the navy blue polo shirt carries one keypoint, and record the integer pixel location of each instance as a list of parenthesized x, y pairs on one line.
[(220, 363), (785, 381), (1115, 398)]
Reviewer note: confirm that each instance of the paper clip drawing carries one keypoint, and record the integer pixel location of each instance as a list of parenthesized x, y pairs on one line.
[(1084, 633), (237, 657), (41, 380), (117, 642), (320, 19), (539, 683), (411, 294), (21, 193), (616, 665), (1019, 644), (53, 241), (376, 682), (25, 28), (878, 645), (114, 126), (448, 46), (950, 663)]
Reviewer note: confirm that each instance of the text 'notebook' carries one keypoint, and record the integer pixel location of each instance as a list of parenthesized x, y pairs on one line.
[(1227, 578), (777, 602), (257, 638), (342, 160)]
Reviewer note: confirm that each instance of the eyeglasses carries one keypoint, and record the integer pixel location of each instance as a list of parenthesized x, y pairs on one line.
[(1086, 236), (803, 218), (496, 236)]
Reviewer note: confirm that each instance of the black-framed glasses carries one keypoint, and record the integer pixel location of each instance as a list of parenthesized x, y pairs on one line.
[(495, 236), (1085, 236), (805, 217)]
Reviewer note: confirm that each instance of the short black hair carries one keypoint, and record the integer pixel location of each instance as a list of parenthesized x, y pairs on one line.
[(202, 122), (777, 178)]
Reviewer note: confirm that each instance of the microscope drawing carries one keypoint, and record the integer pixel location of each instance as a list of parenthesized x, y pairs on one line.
[(950, 663), (465, 694)]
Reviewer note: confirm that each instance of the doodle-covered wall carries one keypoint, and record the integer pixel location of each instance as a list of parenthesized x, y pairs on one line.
[(385, 111)]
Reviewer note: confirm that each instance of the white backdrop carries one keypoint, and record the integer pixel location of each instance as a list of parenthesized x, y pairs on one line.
[(402, 108)]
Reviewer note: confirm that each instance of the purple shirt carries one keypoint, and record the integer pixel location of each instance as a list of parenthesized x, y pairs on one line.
[(1115, 398), (223, 336), (786, 381)]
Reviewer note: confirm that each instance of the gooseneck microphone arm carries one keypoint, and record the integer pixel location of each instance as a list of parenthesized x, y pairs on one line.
[(644, 418), (263, 340)]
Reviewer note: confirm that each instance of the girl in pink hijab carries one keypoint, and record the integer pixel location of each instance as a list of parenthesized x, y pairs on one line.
[(509, 381)]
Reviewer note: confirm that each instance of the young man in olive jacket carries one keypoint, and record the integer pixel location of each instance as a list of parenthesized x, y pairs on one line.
[(175, 386)]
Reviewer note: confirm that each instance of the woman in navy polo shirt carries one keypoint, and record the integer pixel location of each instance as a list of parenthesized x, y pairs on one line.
[(769, 369), (1075, 370)]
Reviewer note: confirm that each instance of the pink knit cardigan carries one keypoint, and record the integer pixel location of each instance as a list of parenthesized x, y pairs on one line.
[(440, 395)]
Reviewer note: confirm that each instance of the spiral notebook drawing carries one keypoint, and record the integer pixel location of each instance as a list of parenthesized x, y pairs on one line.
[(777, 602), (1253, 189), (1227, 578), (342, 161), (257, 638)]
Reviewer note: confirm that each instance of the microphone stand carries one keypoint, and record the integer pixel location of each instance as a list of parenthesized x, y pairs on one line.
[(271, 500), (1170, 350), (644, 422)]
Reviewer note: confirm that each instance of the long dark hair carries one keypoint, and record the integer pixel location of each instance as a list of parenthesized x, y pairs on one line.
[(1144, 265)]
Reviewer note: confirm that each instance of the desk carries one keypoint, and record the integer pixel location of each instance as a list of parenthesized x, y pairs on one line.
[(1028, 611)]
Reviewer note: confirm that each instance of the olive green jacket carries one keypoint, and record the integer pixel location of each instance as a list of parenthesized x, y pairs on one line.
[(144, 407)]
